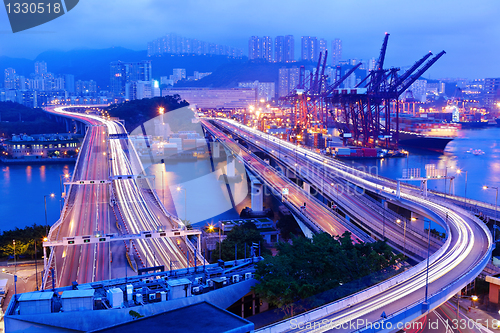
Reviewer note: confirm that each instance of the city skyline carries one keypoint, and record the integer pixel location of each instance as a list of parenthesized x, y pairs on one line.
[(415, 29)]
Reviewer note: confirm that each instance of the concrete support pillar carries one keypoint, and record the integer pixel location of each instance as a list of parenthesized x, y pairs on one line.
[(66, 121), (231, 160), (423, 187), (257, 196), (306, 187), (494, 289), (216, 150), (243, 307)]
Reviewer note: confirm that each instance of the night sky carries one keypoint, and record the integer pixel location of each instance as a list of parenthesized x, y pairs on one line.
[(468, 31)]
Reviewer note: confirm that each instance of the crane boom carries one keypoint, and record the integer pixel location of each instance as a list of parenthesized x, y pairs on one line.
[(421, 71)]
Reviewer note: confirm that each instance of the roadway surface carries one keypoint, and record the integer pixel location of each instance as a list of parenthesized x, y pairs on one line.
[(122, 206), (468, 246)]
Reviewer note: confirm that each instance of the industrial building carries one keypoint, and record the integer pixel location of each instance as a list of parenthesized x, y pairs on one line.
[(167, 298)]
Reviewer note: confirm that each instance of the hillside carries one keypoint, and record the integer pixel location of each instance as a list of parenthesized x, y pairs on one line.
[(16, 118), (139, 111)]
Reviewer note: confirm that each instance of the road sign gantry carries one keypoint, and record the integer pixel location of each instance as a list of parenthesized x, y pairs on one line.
[(103, 238)]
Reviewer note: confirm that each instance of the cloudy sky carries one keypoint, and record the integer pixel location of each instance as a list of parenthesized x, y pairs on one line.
[(468, 31)]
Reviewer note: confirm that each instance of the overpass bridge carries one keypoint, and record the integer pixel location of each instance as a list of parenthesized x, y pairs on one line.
[(99, 202), (457, 261)]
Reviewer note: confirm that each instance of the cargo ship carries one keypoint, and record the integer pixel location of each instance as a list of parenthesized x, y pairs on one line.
[(353, 153), (427, 135)]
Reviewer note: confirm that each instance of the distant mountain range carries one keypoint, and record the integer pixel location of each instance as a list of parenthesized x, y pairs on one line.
[(90, 64)]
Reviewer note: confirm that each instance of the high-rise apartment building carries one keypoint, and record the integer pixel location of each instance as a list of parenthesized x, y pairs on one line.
[(40, 68), (175, 44), (86, 88), (267, 48), (309, 48), (10, 78), (287, 81), (279, 49), (254, 51), (492, 91), (322, 46), (178, 74), (284, 49), (336, 51), (260, 48), (122, 73), (289, 48), (69, 83)]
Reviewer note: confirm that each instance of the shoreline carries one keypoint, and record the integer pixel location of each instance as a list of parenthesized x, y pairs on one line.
[(37, 161)]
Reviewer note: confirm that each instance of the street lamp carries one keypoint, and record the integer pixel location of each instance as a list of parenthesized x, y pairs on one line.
[(473, 299), (36, 266), (61, 182), (185, 201), (459, 172), (15, 260), (45, 204), (496, 206), (445, 177)]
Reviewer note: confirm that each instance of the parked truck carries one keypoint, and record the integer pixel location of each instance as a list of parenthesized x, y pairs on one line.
[(4, 287)]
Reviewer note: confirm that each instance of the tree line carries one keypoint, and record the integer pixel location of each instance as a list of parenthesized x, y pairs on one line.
[(306, 267), (24, 241)]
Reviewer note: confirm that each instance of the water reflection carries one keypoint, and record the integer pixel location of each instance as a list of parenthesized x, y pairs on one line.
[(481, 169)]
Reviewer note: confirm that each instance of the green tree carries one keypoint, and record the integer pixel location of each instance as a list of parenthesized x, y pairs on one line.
[(311, 266), (24, 240), (238, 237), (287, 226)]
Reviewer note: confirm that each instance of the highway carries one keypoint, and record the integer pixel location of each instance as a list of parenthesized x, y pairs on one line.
[(467, 248), (323, 217), (382, 222), (121, 206)]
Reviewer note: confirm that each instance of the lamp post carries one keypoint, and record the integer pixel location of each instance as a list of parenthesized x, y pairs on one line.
[(428, 256), (45, 204), (185, 201), (323, 181), (466, 172), (473, 298), (15, 260), (407, 160), (445, 178), (36, 267), (45, 239), (496, 206), (61, 182)]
